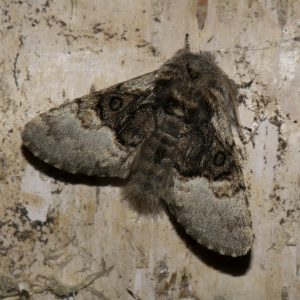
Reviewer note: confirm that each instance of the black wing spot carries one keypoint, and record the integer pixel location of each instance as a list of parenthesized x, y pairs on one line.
[(219, 159), (115, 103)]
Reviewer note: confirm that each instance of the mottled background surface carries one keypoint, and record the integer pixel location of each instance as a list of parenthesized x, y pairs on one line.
[(69, 227)]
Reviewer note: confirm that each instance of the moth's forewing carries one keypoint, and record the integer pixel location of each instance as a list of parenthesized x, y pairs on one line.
[(98, 134), (208, 197)]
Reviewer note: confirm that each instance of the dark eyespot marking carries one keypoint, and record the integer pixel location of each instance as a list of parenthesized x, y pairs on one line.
[(219, 159), (115, 103)]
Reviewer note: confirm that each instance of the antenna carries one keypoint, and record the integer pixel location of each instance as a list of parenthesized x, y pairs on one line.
[(186, 42)]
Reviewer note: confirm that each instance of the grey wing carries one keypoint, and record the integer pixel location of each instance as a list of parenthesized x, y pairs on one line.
[(98, 134), (222, 224)]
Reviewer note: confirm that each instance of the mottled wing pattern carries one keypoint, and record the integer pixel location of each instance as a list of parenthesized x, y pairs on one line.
[(98, 134), (208, 196), (207, 193), (171, 131)]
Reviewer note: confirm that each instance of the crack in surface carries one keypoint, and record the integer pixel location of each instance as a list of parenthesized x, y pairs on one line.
[(15, 70)]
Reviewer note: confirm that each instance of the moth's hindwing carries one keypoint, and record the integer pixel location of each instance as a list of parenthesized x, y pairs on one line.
[(98, 134)]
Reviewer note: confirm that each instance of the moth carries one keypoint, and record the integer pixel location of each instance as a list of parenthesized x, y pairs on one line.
[(169, 132)]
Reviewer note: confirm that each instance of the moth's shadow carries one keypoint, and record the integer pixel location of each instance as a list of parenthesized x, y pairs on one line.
[(60, 175), (236, 266)]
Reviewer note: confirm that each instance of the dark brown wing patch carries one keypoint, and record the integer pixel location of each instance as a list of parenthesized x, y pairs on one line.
[(129, 115)]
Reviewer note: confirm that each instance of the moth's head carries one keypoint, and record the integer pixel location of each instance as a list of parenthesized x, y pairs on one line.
[(187, 82), (182, 86)]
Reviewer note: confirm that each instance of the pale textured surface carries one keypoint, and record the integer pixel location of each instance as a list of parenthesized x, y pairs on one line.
[(52, 51)]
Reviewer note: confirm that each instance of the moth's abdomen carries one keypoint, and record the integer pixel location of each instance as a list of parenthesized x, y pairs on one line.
[(150, 176)]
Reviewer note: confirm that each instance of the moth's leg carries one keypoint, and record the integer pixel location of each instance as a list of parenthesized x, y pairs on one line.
[(252, 132), (246, 134)]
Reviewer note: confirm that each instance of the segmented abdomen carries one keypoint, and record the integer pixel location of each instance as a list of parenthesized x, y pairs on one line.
[(151, 175)]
